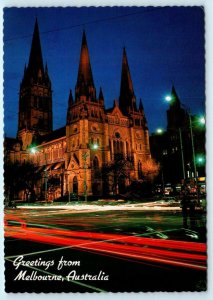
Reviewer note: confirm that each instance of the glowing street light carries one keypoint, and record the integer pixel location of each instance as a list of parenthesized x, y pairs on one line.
[(200, 159), (159, 131), (95, 146), (168, 98), (202, 120), (33, 150)]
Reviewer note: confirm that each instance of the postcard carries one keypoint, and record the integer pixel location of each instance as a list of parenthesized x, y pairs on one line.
[(104, 149)]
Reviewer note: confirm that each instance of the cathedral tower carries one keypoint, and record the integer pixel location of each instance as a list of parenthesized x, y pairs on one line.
[(35, 99), (85, 130)]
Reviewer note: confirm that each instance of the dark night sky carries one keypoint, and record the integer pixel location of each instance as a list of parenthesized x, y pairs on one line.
[(164, 46)]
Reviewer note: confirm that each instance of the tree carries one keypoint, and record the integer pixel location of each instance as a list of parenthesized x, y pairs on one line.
[(116, 172), (150, 169), (19, 176)]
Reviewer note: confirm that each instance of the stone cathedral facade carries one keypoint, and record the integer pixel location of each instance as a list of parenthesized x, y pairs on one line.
[(92, 137)]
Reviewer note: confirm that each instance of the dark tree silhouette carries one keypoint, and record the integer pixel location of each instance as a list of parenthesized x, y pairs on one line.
[(19, 177), (116, 171), (150, 169)]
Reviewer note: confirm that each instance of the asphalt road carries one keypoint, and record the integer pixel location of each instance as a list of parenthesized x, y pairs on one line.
[(113, 246)]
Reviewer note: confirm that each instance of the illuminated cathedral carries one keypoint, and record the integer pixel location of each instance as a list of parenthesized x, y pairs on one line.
[(93, 136)]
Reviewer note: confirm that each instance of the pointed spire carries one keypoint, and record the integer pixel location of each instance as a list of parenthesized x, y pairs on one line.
[(46, 68), (175, 99), (35, 65), (85, 89), (141, 110), (115, 103), (84, 70), (46, 76), (84, 39), (127, 97), (25, 71), (126, 72), (70, 99), (174, 93), (101, 96), (70, 103), (177, 116), (34, 74)]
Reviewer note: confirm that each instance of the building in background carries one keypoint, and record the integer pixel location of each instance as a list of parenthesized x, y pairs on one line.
[(181, 148)]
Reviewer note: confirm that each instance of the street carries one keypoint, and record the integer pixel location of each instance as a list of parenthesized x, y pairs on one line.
[(131, 249)]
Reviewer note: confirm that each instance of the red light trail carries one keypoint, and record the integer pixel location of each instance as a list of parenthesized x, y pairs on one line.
[(175, 253)]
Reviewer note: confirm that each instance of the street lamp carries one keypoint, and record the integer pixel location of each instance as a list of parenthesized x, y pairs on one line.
[(84, 157), (34, 151), (160, 131), (94, 146), (201, 122)]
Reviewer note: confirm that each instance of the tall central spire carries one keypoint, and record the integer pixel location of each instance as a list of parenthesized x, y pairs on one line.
[(85, 83), (84, 70), (127, 100), (35, 65)]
